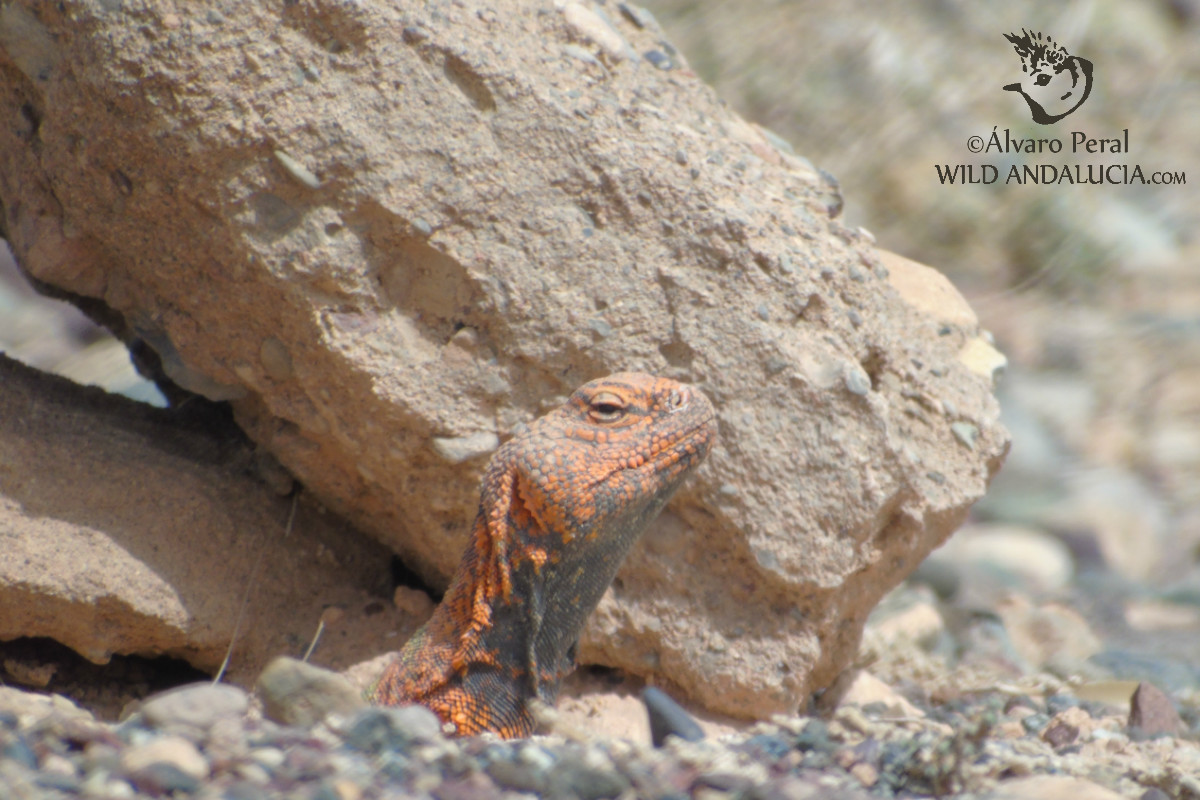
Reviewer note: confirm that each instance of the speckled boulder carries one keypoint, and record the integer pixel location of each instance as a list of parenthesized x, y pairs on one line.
[(390, 232)]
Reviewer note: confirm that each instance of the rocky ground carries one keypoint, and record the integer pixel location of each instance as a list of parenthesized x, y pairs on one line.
[(1050, 650), (1019, 661), (979, 729)]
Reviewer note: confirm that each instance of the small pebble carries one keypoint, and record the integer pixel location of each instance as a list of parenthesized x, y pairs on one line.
[(59, 765), (198, 705), (58, 781), (815, 737), (174, 751), (857, 381), (1056, 703), (600, 328), (161, 778), (589, 25), (377, 729), (296, 693), (1152, 713), (413, 35), (267, 757), (577, 52), (769, 745), (659, 59), (586, 778), (1060, 734), (19, 752), (457, 449), (297, 170), (638, 16), (1033, 723), (517, 776), (668, 718), (966, 433)]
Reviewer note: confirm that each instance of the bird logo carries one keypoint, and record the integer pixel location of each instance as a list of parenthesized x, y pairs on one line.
[(1055, 83)]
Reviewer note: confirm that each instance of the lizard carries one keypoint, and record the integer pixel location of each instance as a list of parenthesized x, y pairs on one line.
[(561, 504)]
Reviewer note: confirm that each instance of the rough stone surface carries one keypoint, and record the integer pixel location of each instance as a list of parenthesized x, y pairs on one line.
[(477, 212), (127, 529)]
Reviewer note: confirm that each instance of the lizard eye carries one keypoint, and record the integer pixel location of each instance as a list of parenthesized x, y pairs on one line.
[(606, 407)]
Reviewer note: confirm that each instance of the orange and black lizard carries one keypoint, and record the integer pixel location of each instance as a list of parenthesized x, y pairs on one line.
[(561, 505)]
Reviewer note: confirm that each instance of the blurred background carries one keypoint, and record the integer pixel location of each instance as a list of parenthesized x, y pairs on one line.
[(1092, 291)]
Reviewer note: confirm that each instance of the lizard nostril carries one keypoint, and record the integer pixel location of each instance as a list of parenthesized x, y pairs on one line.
[(678, 399)]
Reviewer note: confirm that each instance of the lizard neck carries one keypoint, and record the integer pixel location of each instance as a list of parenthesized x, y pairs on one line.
[(522, 642), (556, 579)]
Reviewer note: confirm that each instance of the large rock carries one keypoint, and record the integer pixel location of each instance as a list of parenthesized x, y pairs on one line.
[(129, 529), (390, 232)]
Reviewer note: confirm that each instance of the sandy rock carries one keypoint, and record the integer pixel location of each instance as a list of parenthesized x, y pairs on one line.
[(928, 290), (619, 716), (125, 529), (612, 704), (574, 216)]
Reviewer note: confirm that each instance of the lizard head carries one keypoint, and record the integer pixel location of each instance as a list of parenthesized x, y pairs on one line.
[(611, 455), (562, 503)]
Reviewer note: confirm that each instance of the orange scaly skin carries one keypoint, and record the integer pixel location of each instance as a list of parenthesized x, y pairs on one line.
[(561, 505)]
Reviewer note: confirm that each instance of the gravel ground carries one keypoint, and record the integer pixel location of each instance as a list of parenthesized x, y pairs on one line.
[(209, 741)]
